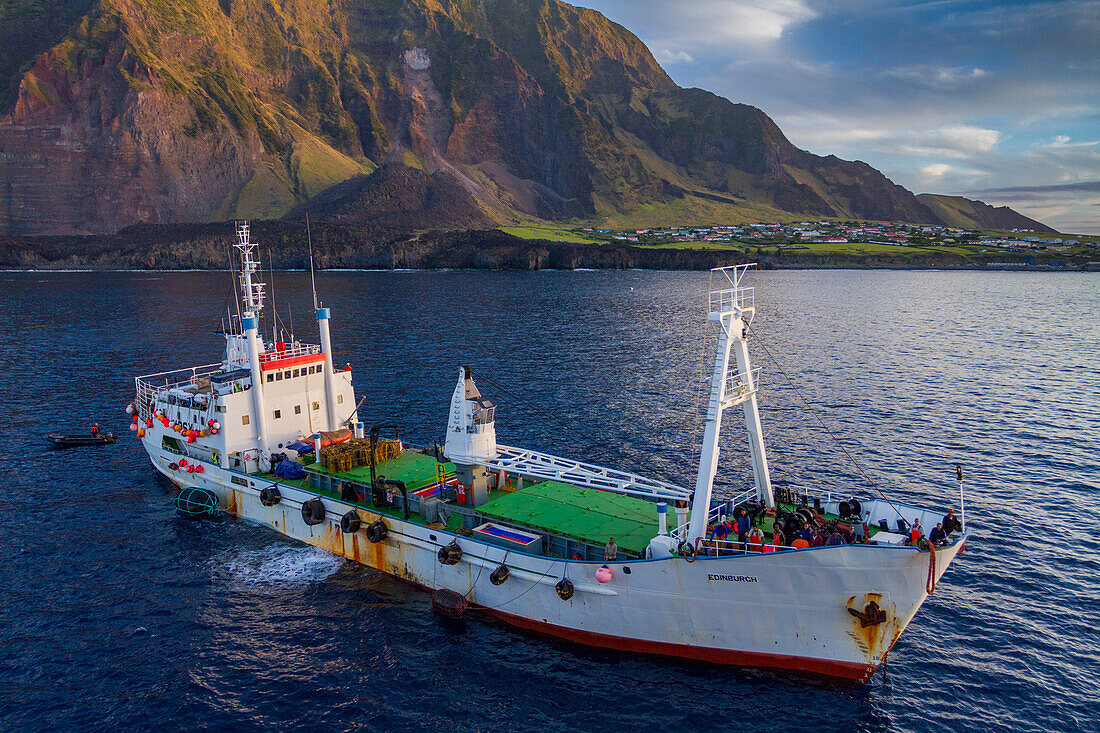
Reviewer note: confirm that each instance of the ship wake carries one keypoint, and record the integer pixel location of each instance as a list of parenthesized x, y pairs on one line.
[(279, 566)]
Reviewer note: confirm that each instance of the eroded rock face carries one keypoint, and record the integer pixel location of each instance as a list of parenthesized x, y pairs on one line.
[(204, 110), (97, 148)]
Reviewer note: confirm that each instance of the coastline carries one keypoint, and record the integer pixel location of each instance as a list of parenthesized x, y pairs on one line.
[(191, 247)]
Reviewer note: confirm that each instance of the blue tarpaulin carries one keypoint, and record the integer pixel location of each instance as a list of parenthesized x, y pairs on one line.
[(301, 446), (290, 470)]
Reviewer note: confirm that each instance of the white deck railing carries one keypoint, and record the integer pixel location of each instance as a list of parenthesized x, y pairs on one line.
[(737, 385), (727, 292), (292, 349), (148, 387)]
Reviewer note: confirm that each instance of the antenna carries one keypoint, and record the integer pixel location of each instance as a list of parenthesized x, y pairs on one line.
[(274, 309), (236, 295), (312, 280)]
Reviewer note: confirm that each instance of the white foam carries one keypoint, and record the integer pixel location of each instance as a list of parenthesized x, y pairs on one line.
[(281, 565)]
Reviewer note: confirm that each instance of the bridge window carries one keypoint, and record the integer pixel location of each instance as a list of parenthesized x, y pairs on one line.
[(297, 409), (295, 372), (278, 376), (278, 414), (339, 399), (244, 419), (316, 405), (271, 377)]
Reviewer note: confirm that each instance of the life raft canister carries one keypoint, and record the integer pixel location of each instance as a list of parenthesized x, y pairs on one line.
[(564, 588), (313, 511), (270, 495)]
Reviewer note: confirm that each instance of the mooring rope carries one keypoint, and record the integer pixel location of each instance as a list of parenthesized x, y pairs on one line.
[(930, 584)]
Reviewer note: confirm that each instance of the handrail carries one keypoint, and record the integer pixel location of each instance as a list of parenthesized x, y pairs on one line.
[(737, 383), (291, 349), (212, 367), (731, 295), (148, 387)]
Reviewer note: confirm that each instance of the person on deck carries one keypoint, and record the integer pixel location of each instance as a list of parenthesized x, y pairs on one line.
[(816, 540), (744, 524), (756, 539), (951, 523), (937, 535), (835, 539), (778, 538), (915, 531), (611, 551), (95, 430)]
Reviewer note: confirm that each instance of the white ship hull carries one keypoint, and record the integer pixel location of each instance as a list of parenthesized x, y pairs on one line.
[(784, 611)]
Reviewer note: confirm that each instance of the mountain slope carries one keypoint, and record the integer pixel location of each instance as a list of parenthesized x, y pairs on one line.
[(125, 111), (970, 214)]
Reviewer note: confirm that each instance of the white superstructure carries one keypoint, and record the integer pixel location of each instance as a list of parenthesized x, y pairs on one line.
[(686, 589)]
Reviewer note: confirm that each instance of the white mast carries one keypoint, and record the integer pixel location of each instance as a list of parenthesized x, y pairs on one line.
[(252, 294), (732, 308), (323, 315)]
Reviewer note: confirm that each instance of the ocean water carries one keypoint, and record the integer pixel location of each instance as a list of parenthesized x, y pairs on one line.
[(118, 614)]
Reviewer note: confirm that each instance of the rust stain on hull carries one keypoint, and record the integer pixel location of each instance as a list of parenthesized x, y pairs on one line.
[(873, 624)]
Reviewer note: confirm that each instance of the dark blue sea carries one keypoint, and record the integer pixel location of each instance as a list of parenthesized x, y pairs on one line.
[(118, 614)]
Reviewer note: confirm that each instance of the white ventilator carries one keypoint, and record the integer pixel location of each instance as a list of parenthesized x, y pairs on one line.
[(471, 429)]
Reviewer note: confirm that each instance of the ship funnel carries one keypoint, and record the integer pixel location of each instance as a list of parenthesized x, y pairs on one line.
[(471, 428)]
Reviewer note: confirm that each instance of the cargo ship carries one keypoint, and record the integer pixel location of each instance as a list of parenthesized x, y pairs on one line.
[(552, 545)]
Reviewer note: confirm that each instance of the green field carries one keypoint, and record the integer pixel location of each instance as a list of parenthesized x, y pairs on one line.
[(551, 233)]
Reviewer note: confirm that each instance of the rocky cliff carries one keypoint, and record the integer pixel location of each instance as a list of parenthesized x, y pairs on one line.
[(125, 111)]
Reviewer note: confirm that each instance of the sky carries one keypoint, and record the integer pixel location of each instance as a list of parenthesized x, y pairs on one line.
[(998, 101)]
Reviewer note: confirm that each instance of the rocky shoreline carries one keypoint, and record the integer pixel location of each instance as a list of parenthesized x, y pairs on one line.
[(204, 247)]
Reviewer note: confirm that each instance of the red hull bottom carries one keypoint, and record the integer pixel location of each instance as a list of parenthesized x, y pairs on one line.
[(850, 671)]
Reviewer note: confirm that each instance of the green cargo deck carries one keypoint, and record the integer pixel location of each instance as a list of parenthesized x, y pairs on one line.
[(588, 515), (414, 469), (584, 514)]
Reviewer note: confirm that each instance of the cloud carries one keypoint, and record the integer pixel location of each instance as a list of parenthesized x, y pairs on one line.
[(936, 77), (693, 23), (675, 57), (954, 141), (936, 170), (1071, 208), (1083, 186)]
